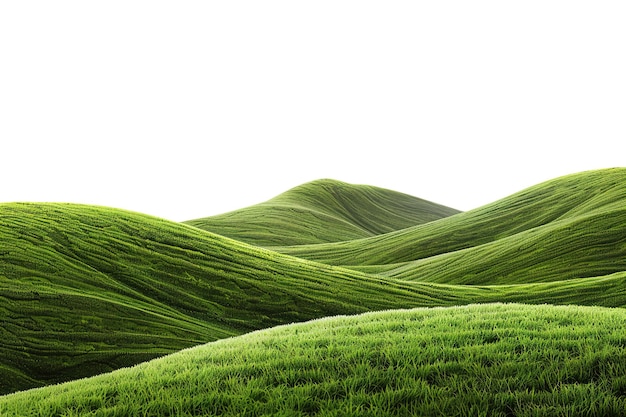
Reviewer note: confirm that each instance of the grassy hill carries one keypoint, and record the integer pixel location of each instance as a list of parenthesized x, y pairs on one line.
[(85, 290), (478, 360), (324, 211), (88, 289), (584, 246), (100, 301), (573, 226)]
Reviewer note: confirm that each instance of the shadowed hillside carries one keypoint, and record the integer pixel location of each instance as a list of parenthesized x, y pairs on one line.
[(324, 211), (87, 289)]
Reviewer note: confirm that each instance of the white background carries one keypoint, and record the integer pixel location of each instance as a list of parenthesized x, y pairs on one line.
[(185, 109)]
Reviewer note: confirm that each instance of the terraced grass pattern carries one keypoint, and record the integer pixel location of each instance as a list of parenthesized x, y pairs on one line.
[(514, 308)]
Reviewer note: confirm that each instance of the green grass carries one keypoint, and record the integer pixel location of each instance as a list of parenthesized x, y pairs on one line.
[(569, 227), (324, 211), (85, 290), (582, 246), (88, 289), (478, 360)]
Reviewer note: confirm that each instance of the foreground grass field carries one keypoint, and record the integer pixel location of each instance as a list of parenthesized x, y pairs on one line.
[(478, 360)]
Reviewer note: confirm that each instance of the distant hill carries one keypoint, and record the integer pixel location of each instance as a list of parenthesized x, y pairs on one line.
[(324, 211), (569, 227)]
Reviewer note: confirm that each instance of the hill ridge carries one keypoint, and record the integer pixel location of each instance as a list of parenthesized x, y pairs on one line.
[(533, 207), (321, 211)]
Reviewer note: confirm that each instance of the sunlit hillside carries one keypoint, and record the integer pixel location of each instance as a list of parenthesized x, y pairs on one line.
[(494, 359)]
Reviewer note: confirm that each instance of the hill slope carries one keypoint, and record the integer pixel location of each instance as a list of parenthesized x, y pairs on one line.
[(87, 289), (497, 360), (324, 211), (573, 226)]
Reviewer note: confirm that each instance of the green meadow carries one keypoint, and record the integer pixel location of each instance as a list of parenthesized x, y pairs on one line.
[(330, 299)]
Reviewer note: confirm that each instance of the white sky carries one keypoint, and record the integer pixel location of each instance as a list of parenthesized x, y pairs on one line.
[(184, 109)]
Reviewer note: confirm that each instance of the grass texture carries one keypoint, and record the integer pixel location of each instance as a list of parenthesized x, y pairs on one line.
[(88, 289), (478, 360), (324, 211)]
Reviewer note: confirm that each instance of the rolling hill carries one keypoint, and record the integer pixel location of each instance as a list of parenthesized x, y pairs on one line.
[(495, 359), (569, 227), (85, 289), (324, 211)]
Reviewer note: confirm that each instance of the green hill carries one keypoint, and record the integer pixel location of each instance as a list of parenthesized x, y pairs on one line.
[(569, 227), (85, 290), (583, 246), (324, 211), (88, 289), (496, 360)]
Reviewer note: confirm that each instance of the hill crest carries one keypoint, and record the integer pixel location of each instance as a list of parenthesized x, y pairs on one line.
[(322, 211), (585, 202)]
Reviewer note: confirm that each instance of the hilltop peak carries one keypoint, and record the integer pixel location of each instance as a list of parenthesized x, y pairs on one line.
[(324, 210)]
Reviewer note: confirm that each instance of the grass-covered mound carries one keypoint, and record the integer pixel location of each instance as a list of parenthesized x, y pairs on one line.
[(479, 360), (88, 289), (324, 211), (569, 227)]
